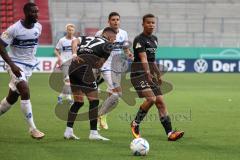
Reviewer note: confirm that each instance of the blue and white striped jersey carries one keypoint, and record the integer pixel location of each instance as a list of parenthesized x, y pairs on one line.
[(64, 45), (23, 42)]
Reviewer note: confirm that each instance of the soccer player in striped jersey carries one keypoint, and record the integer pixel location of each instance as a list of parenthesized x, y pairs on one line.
[(113, 68), (22, 37), (63, 52)]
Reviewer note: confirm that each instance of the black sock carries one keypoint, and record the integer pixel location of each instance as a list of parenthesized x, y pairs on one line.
[(140, 115), (166, 122), (72, 114), (93, 114)]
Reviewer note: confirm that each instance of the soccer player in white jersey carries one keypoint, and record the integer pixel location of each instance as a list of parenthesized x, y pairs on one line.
[(63, 52), (22, 37), (113, 68)]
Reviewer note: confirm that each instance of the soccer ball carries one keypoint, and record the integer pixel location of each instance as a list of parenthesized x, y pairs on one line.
[(139, 147)]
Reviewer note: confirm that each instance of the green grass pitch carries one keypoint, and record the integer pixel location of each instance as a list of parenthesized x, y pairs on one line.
[(205, 106)]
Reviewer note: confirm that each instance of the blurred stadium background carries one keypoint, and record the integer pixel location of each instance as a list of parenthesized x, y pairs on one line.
[(179, 22), (186, 29)]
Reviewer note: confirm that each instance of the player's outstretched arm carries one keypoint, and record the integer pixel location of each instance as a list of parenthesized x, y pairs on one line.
[(15, 69)]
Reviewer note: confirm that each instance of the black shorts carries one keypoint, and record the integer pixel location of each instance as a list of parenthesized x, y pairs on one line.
[(82, 78), (140, 83)]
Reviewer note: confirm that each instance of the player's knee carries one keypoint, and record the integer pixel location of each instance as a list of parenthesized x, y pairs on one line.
[(25, 95), (159, 102), (151, 100), (23, 90), (78, 98)]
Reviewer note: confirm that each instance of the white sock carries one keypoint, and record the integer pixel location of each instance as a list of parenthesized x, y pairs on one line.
[(109, 104), (4, 106), (69, 130), (93, 132), (26, 108), (169, 133), (61, 95), (68, 96)]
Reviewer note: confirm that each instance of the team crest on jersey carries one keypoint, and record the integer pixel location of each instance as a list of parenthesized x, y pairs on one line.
[(35, 33), (5, 35), (138, 45)]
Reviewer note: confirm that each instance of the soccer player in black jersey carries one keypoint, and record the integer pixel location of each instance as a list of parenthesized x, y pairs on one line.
[(88, 52), (146, 79)]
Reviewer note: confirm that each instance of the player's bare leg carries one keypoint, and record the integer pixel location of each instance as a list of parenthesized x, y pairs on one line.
[(26, 108), (166, 121), (93, 115), (8, 101), (143, 110), (72, 114)]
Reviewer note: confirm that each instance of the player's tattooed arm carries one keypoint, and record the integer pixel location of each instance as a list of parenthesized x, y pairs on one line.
[(145, 65), (75, 44), (15, 69)]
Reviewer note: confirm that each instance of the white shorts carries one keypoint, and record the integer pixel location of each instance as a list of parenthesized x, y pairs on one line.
[(64, 69), (113, 80), (26, 74)]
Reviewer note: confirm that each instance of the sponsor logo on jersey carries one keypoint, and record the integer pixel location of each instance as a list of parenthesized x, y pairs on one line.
[(5, 35), (36, 33), (138, 45)]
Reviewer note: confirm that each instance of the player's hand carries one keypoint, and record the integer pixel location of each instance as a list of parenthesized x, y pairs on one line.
[(130, 56), (78, 59), (59, 61), (159, 79), (16, 70), (100, 63)]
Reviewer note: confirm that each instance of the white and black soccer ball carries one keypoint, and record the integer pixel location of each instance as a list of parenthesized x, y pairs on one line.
[(139, 147)]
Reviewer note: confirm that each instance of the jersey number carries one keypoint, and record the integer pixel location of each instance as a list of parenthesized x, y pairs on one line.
[(90, 39)]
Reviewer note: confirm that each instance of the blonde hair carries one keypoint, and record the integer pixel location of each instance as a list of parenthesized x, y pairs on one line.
[(70, 25)]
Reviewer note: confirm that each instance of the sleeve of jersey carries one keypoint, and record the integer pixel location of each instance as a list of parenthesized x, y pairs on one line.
[(7, 36), (126, 36), (138, 46), (58, 46)]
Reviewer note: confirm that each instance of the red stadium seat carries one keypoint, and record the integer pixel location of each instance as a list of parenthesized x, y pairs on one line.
[(10, 13), (3, 19), (3, 2), (10, 8), (10, 19), (4, 26), (10, 2), (3, 7), (3, 13)]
